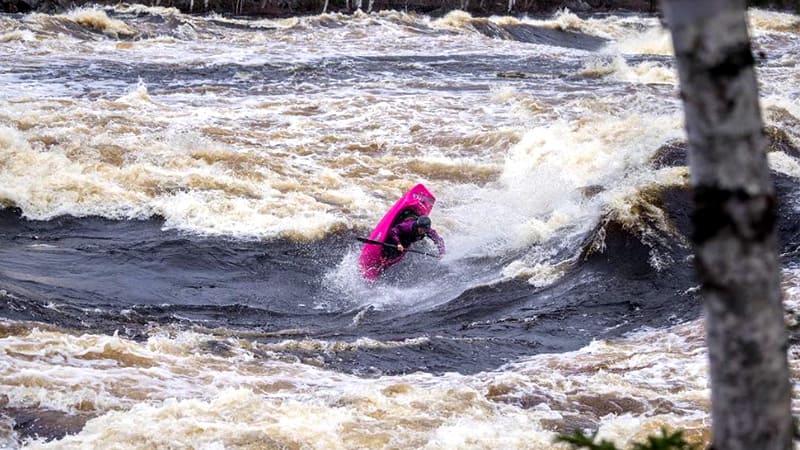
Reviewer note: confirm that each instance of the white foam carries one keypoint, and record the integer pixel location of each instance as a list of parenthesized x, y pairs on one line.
[(618, 69), (174, 382)]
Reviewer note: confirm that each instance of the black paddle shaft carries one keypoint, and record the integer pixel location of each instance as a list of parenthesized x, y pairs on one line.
[(385, 244)]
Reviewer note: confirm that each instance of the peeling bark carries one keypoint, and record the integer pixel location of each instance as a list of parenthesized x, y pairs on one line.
[(734, 225)]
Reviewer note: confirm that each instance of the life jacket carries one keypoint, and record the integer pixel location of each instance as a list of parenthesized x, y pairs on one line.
[(406, 214)]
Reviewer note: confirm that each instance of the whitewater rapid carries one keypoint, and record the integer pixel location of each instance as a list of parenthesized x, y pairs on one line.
[(181, 195)]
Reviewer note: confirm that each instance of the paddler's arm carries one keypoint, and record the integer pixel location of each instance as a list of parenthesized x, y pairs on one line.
[(394, 238), (437, 240)]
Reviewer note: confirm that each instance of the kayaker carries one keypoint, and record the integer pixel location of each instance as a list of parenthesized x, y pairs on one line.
[(405, 233)]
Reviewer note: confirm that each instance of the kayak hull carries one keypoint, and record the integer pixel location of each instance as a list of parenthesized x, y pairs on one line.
[(417, 201)]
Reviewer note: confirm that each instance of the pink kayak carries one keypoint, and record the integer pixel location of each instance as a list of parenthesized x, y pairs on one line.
[(418, 201)]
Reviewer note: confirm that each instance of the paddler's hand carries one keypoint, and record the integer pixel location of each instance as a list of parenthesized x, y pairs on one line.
[(400, 248)]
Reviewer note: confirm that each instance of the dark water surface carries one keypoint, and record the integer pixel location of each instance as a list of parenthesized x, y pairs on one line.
[(108, 276), (103, 276)]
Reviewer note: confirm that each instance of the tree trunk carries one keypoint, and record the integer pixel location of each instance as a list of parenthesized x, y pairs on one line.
[(734, 217)]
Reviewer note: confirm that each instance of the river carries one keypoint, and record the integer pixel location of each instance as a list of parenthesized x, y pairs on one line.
[(181, 195)]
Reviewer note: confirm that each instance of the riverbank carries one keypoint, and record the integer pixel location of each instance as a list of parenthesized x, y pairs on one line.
[(286, 8)]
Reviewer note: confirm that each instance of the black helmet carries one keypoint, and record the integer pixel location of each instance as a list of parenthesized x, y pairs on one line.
[(423, 222)]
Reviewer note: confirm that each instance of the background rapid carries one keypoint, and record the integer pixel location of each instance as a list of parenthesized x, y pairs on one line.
[(181, 196)]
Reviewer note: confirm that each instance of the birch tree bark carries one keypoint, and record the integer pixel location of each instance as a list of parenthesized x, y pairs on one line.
[(734, 216)]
